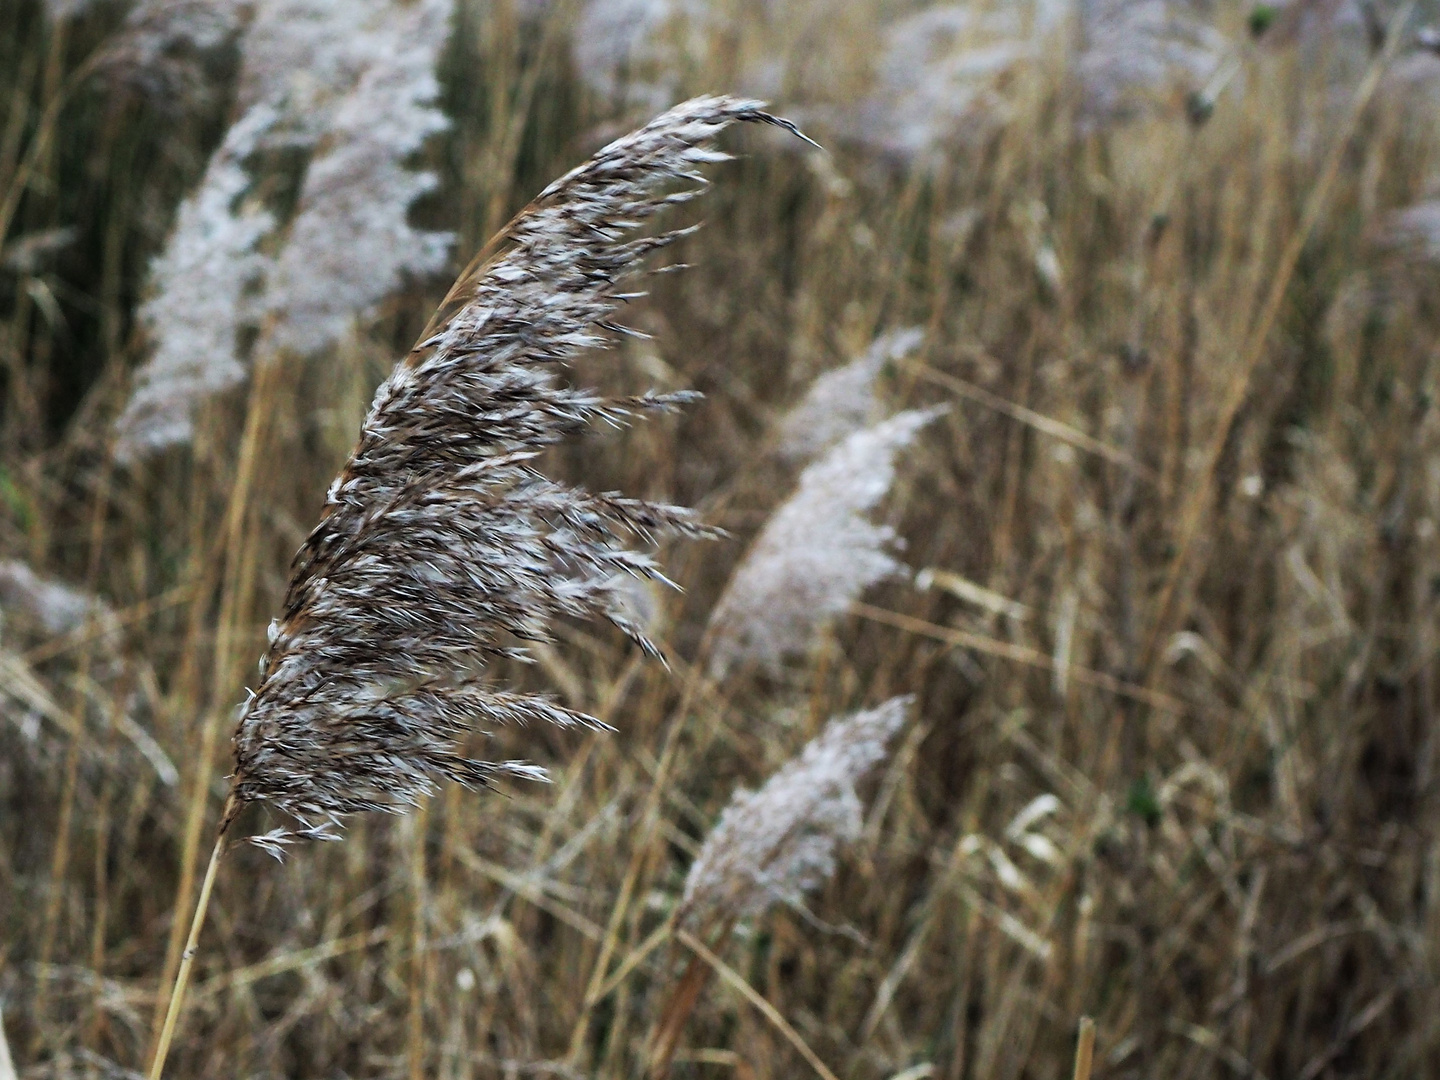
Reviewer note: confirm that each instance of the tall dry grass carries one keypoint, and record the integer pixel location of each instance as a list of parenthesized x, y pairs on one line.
[(1171, 761)]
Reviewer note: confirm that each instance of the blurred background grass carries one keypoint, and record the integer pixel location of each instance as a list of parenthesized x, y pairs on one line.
[(1173, 762)]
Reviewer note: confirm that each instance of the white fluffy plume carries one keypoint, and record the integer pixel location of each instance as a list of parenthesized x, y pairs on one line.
[(353, 84), (1417, 228), (816, 554), (197, 308), (777, 843), (842, 401), (1132, 51), (53, 607), (940, 70)]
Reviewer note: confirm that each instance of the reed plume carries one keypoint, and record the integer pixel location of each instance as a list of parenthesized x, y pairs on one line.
[(940, 76), (349, 243), (354, 86), (158, 48), (7, 1067), (36, 607), (841, 402), (1416, 228), (59, 10), (817, 553), (200, 282), (773, 846), (440, 542), (52, 606), (43, 608), (778, 843), (442, 546), (1133, 50), (628, 49)]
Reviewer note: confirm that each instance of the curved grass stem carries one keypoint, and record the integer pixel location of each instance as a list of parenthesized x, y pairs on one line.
[(192, 940)]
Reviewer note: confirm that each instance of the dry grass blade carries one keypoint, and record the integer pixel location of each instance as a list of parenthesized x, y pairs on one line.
[(1040, 422), (88, 635), (1020, 654), (529, 890), (1085, 1049), (637, 955), (736, 981), (22, 686), (292, 961)]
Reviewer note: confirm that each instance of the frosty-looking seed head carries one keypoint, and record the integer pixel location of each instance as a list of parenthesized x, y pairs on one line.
[(818, 552), (775, 844), (842, 401)]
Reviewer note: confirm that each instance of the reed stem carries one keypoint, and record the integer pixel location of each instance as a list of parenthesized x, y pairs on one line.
[(187, 958), (1085, 1049)]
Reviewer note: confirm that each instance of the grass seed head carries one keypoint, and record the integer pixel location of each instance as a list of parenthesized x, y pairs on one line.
[(1133, 50), (356, 84), (778, 843), (49, 605), (842, 401), (818, 552), (197, 307), (442, 546)]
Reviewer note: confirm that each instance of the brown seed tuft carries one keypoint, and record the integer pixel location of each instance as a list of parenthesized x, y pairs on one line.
[(441, 545)]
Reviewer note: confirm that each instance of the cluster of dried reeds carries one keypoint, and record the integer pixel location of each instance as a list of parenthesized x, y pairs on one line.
[(1156, 738), (351, 87)]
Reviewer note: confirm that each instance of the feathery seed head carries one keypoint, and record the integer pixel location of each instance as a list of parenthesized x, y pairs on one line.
[(350, 243), (198, 308), (355, 81), (442, 546), (52, 606), (939, 72), (779, 842), (842, 401), (1135, 48), (158, 47), (816, 554), (58, 10), (1416, 227), (625, 47)]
